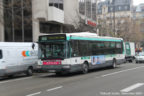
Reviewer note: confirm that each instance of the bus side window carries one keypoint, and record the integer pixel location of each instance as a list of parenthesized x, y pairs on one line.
[(113, 48), (74, 48), (1, 54), (68, 50), (119, 47)]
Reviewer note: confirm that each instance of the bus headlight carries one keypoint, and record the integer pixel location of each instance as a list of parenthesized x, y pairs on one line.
[(40, 62)]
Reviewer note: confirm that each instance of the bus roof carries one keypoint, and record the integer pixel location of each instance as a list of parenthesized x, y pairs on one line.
[(87, 36)]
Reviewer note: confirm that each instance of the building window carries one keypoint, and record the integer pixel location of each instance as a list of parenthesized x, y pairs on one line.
[(111, 9), (49, 28), (88, 9), (126, 7), (119, 8), (82, 7), (94, 10), (18, 20), (56, 3)]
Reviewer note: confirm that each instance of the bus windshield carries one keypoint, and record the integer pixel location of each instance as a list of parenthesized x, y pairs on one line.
[(52, 50), (0, 54)]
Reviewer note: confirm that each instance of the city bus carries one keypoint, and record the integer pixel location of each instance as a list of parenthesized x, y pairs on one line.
[(72, 52)]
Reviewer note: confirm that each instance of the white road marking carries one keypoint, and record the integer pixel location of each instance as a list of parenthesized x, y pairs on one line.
[(33, 94), (45, 75), (132, 87), (54, 88), (121, 71), (15, 80)]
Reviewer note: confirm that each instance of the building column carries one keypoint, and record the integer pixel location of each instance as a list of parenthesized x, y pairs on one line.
[(36, 30), (39, 13), (1, 22), (1, 32)]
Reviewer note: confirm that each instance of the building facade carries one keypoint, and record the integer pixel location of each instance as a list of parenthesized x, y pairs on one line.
[(25, 20), (118, 6), (139, 17), (139, 12), (112, 13)]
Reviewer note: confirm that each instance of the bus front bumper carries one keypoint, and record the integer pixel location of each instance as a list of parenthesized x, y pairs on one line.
[(59, 68)]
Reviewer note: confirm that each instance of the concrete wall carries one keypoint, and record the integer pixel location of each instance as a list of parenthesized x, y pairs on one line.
[(39, 13), (1, 23), (55, 14), (42, 12)]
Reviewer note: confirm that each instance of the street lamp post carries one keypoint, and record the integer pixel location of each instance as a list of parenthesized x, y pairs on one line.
[(114, 30), (22, 10), (13, 29)]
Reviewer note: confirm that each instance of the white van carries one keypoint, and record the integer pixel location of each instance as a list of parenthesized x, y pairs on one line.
[(129, 51), (17, 58)]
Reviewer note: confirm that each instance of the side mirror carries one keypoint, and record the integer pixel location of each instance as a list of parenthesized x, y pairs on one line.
[(33, 46)]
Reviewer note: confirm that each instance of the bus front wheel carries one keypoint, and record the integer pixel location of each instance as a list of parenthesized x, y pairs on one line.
[(59, 73)]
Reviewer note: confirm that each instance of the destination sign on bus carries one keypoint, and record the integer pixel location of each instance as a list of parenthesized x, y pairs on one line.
[(52, 37)]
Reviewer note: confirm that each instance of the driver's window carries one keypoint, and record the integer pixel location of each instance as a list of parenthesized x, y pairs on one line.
[(48, 50)]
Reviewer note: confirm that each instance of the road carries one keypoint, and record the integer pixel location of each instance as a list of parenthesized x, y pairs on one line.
[(126, 80)]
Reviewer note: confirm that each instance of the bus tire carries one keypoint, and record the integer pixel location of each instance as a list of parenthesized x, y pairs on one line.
[(58, 73), (29, 71), (114, 65), (10, 76), (136, 61), (85, 68), (130, 61)]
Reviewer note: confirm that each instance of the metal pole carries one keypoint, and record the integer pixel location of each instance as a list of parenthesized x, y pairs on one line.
[(13, 33), (91, 9), (85, 9), (22, 10), (96, 17), (114, 17)]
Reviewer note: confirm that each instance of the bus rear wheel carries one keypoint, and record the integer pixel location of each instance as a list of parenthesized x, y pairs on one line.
[(114, 65), (85, 68)]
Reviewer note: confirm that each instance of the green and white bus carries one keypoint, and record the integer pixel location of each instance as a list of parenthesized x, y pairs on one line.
[(73, 52)]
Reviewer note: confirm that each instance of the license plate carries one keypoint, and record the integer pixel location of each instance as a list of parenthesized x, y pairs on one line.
[(52, 71)]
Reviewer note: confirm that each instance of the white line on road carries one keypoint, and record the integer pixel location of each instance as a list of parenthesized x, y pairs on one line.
[(132, 87), (54, 88), (15, 80), (33, 94), (121, 71)]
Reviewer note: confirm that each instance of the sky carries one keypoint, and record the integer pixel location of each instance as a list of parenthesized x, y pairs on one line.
[(137, 2)]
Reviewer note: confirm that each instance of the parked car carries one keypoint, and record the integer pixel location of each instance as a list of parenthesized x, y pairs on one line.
[(17, 58), (139, 57)]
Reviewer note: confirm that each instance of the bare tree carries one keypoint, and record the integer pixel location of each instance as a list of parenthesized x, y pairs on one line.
[(126, 28), (17, 16), (79, 25), (129, 30)]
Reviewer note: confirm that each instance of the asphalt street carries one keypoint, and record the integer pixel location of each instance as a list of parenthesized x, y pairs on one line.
[(126, 80)]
